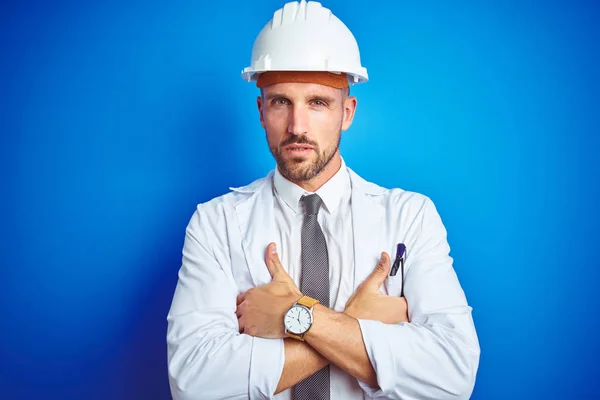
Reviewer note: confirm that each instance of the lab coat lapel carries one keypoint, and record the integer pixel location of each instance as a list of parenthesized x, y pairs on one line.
[(368, 220), (257, 226)]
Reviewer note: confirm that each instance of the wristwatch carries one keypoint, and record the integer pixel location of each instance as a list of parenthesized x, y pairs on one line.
[(299, 318)]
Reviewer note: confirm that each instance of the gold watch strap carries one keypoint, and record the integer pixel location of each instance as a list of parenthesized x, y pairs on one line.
[(308, 302), (294, 336)]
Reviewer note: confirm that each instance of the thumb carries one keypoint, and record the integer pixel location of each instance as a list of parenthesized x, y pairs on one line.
[(272, 261), (380, 273)]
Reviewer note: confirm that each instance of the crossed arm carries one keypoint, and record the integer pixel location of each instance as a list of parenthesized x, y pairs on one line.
[(434, 356), (334, 337)]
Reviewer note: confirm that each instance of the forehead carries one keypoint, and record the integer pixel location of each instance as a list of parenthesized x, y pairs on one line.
[(301, 90)]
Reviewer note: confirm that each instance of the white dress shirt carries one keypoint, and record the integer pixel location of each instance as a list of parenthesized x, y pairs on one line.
[(335, 218)]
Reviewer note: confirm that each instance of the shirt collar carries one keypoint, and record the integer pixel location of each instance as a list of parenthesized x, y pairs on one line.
[(332, 192)]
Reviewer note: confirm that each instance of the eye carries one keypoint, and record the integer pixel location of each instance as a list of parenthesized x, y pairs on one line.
[(280, 101), (319, 103)]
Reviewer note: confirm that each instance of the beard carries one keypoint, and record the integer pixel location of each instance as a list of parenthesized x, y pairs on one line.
[(301, 169)]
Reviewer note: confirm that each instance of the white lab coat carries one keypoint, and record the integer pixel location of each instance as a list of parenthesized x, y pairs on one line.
[(435, 356)]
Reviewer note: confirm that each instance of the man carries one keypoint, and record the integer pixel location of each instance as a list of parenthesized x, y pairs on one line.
[(286, 289)]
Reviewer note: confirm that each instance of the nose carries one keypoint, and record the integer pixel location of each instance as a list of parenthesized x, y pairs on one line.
[(298, 121)]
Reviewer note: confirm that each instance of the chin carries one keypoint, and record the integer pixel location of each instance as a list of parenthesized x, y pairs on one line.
[(299, 160), (300, 172)]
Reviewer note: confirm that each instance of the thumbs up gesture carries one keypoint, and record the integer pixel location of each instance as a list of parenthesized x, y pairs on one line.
[(260, 310), (369, 303)]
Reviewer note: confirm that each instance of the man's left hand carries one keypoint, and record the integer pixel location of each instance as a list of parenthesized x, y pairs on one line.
[(260, 310)]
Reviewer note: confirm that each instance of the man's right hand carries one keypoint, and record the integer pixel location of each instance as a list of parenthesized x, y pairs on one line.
[(369, 303)]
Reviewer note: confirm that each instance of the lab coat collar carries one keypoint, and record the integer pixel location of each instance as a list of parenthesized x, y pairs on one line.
[(256, 218), (368, 222), (362, 186)]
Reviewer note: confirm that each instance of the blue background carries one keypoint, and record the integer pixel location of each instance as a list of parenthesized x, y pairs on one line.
[(118, 118)]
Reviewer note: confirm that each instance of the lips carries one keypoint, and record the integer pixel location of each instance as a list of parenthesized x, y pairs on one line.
[(298, 150), (298, 147)]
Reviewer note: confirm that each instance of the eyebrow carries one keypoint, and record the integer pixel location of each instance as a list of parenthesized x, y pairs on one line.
[(324, 98)]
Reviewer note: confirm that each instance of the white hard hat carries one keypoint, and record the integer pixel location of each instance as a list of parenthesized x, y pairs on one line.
[(306, 36)]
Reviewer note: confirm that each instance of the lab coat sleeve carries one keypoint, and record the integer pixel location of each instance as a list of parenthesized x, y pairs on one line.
[(207, 356), (436, 355)]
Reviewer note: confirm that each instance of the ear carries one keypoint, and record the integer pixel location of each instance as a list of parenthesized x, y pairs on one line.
[(349, 110), (260, 104)]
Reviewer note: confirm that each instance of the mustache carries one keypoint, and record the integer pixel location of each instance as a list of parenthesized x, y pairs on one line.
[(298, 140)]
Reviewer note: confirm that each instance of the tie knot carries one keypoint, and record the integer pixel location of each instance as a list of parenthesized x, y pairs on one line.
[(312, 203)]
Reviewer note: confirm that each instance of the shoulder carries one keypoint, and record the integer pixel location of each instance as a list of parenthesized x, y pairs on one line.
[(390, 198), (413, 211), (237, 194), (215, 211)]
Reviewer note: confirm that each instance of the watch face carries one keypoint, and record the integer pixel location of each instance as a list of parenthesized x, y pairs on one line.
[(298, 320)]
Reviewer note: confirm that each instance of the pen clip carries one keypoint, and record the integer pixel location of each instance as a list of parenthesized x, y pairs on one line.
[(399, 261)]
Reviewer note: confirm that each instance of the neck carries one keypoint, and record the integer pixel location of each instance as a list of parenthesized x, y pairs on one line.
[(325, 175)]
